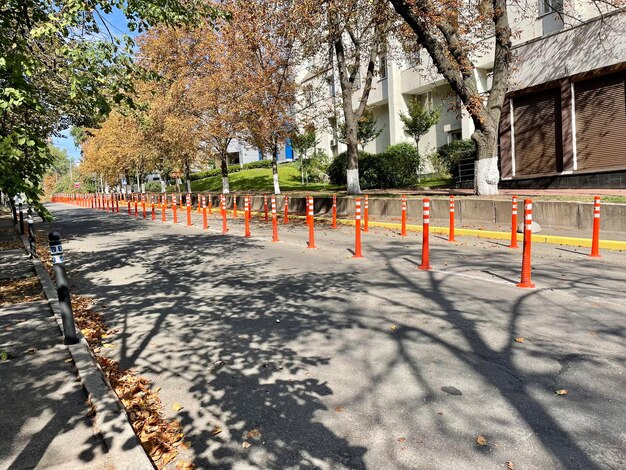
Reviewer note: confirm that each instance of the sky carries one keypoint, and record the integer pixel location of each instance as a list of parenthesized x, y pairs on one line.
[(117, 24)]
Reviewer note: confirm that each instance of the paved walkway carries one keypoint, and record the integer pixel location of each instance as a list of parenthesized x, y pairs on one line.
[(285, 357), (43, 408)]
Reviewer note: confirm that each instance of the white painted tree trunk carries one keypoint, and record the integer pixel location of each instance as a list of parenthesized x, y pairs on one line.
[(225, 188), (163, 186), (188, 185), (353, 182), (486, 176), (276, 185)]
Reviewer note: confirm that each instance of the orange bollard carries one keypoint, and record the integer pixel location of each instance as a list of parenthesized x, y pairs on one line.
[(174, 214), (128, 207), (200, 207), (334, 224), (357, 223), (223, 209), (286, 217), (153, 213), (143, 205), (210, 204), (526, 269), (135, 197), (403, 231), (163, 208), (513, 223), (274, 220), (117, 203), (234, 196), (205, 220), (366, 214), (246, 216), (595, 239), (425, 266), (451, 229), (188, 203), (265, 206), (311, 210)]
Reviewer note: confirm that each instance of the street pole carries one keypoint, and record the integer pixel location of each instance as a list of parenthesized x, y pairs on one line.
[(63, 291)]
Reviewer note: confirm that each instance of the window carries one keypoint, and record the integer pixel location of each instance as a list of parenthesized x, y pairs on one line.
[(382, 67), (454, 135), (331, 86), (549, 6), (356, 85)]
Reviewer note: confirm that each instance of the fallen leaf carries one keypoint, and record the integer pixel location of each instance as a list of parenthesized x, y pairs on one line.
[(108, 345), (402, 439), (31, 351), (519, 340), (561, 392), (245, 445), (177, 407), (216, 431), (253, 434), (593, 333), (481, 441), (440, 413), (183, 465), (509, 465), (68, 360), (394, 327), (186, 445), (338, 409)]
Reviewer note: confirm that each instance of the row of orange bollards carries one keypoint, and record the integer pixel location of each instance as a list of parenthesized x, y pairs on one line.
[(111, 203)]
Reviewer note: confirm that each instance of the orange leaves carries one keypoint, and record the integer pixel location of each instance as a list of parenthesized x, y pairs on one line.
[(481, 441)]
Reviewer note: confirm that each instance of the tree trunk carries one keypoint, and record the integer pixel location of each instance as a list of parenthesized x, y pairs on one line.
[(486, 174), (275, 169), (187, 177), (419, 161), (224, 164)]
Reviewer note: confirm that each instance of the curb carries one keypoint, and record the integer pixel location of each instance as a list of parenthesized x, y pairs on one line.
[(110, 418), (617, 245)]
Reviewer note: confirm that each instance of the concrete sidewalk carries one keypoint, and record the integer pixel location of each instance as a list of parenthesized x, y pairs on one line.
[(44, 409)]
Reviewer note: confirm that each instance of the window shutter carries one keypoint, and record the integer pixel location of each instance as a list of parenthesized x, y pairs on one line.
[(537, 134), (601, 124)]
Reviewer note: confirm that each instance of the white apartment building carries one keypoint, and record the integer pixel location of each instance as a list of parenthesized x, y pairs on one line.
[(559, 47)]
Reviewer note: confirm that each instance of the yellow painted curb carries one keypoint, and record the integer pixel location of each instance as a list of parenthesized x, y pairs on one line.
[(492, 234)]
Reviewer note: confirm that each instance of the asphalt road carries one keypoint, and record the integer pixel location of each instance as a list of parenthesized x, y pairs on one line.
[(322, 361)]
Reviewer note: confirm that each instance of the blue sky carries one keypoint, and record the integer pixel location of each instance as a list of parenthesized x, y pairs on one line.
[(117, 24)]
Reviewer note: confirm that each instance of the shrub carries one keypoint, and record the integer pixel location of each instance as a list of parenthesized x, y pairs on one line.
[(399, 166), (450, 155), (395, 168), (153, 187)]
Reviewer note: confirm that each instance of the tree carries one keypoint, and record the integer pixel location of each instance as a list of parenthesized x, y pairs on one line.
[(60, 66), (357, 33), (268, 55), (366, 130), (302, 143), (417, 123)]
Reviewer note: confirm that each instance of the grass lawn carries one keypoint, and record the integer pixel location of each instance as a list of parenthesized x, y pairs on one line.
[(260, 179)]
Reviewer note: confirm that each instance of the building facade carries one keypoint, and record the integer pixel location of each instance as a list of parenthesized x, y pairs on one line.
[(565, 113)]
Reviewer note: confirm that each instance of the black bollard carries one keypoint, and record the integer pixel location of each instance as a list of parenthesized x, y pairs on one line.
[(14, 211), (63, 291), (21, 219), (31, 236)]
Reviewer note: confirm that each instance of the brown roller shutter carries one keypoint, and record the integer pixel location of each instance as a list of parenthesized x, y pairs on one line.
[(601, 123), (537, 134)]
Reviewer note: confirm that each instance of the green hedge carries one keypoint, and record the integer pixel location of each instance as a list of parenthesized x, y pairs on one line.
[(395, 168), (231, 169)]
